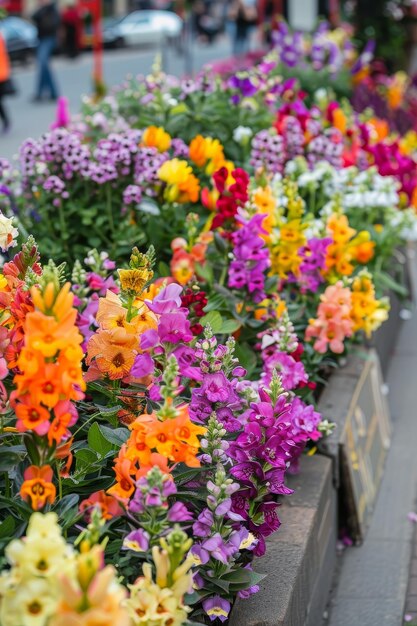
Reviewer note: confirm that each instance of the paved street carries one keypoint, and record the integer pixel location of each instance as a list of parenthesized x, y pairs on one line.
[(30, 120), (373, 578)]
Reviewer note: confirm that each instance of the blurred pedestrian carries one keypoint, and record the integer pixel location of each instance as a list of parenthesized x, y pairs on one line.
[(244, 13), (6, 86), (72, 28), (269, 12), (47, 21)]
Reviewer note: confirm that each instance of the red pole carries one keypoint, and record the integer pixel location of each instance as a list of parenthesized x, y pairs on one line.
[(98, 48), (334, 12)]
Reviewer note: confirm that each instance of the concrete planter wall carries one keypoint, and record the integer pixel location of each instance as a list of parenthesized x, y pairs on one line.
[(301, 555)]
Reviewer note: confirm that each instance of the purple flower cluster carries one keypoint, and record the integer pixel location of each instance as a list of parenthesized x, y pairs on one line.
[(174, 329), (221, 536), (289, 45), (313, 256), (88, 286), (220, 379), (328, 146), (250, 259), (180, 148), (147, 165), (292, 372), (154, 509), (279, 347), (268, 151), (261, 453), (132, 194), (56, 186), (151, 498), (293, 137)]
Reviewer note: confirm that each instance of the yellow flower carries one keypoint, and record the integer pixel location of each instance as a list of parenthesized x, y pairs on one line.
[(367, 313), (182, 185), (3, 283), (30, 604), (156, 137), (134, 280), (151, 604), (408, 144)]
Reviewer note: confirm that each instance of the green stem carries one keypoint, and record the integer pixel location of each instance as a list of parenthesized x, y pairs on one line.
[(92, 417), (58, 473), (110, 216), (6, 485)]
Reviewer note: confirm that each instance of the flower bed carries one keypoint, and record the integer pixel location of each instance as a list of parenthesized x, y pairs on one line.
[(159, 386)]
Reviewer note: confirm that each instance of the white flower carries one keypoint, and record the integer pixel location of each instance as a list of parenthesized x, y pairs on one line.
[(40, 167), (8, 233), (241, 134), (169, 100)]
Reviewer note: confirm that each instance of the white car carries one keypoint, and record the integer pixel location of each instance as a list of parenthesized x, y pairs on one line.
[(148, 27)]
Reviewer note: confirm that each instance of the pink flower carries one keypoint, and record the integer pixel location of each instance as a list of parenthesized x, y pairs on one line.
[(333, 323)]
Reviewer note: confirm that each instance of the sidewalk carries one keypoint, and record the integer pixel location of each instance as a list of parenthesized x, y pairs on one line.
[(372, 583)]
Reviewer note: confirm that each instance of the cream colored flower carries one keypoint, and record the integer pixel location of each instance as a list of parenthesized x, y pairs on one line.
[(30, 604), (8, 233), (101, 604)]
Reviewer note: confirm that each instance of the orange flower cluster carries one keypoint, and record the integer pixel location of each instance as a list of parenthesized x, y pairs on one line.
[(347, 246), (111, 351), (37, 487), (184, 259), (208, 153), (50, 372), (156, 442), (156, 137), (15, 300)]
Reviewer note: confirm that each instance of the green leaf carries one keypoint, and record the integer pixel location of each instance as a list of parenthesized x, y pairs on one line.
[(230, 326), (67, 509), (97, 440), (116, 436), (389, 283), (85, 458), (8, 460), (7, 527), (215, 303), (163, 269), (214, 320), (246, 356), (205, 272)]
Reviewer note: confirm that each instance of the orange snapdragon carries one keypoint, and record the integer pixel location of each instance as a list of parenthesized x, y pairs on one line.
[(50, 366), (156, 441), (156, 137), (111, 351), (185, 257), (348, 247), (37, 487), (207, 153)]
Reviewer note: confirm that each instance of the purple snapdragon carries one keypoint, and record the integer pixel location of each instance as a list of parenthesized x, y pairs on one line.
[(250, 259)]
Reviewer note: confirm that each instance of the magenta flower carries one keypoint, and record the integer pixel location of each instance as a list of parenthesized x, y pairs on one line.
[(202, 527), (167, 300), (143, 366), (179, 513), (216, 387), (174, 328)]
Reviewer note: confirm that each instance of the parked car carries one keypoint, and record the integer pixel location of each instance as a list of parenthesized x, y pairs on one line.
[(111, 38), (20, 37), (147, 27)]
